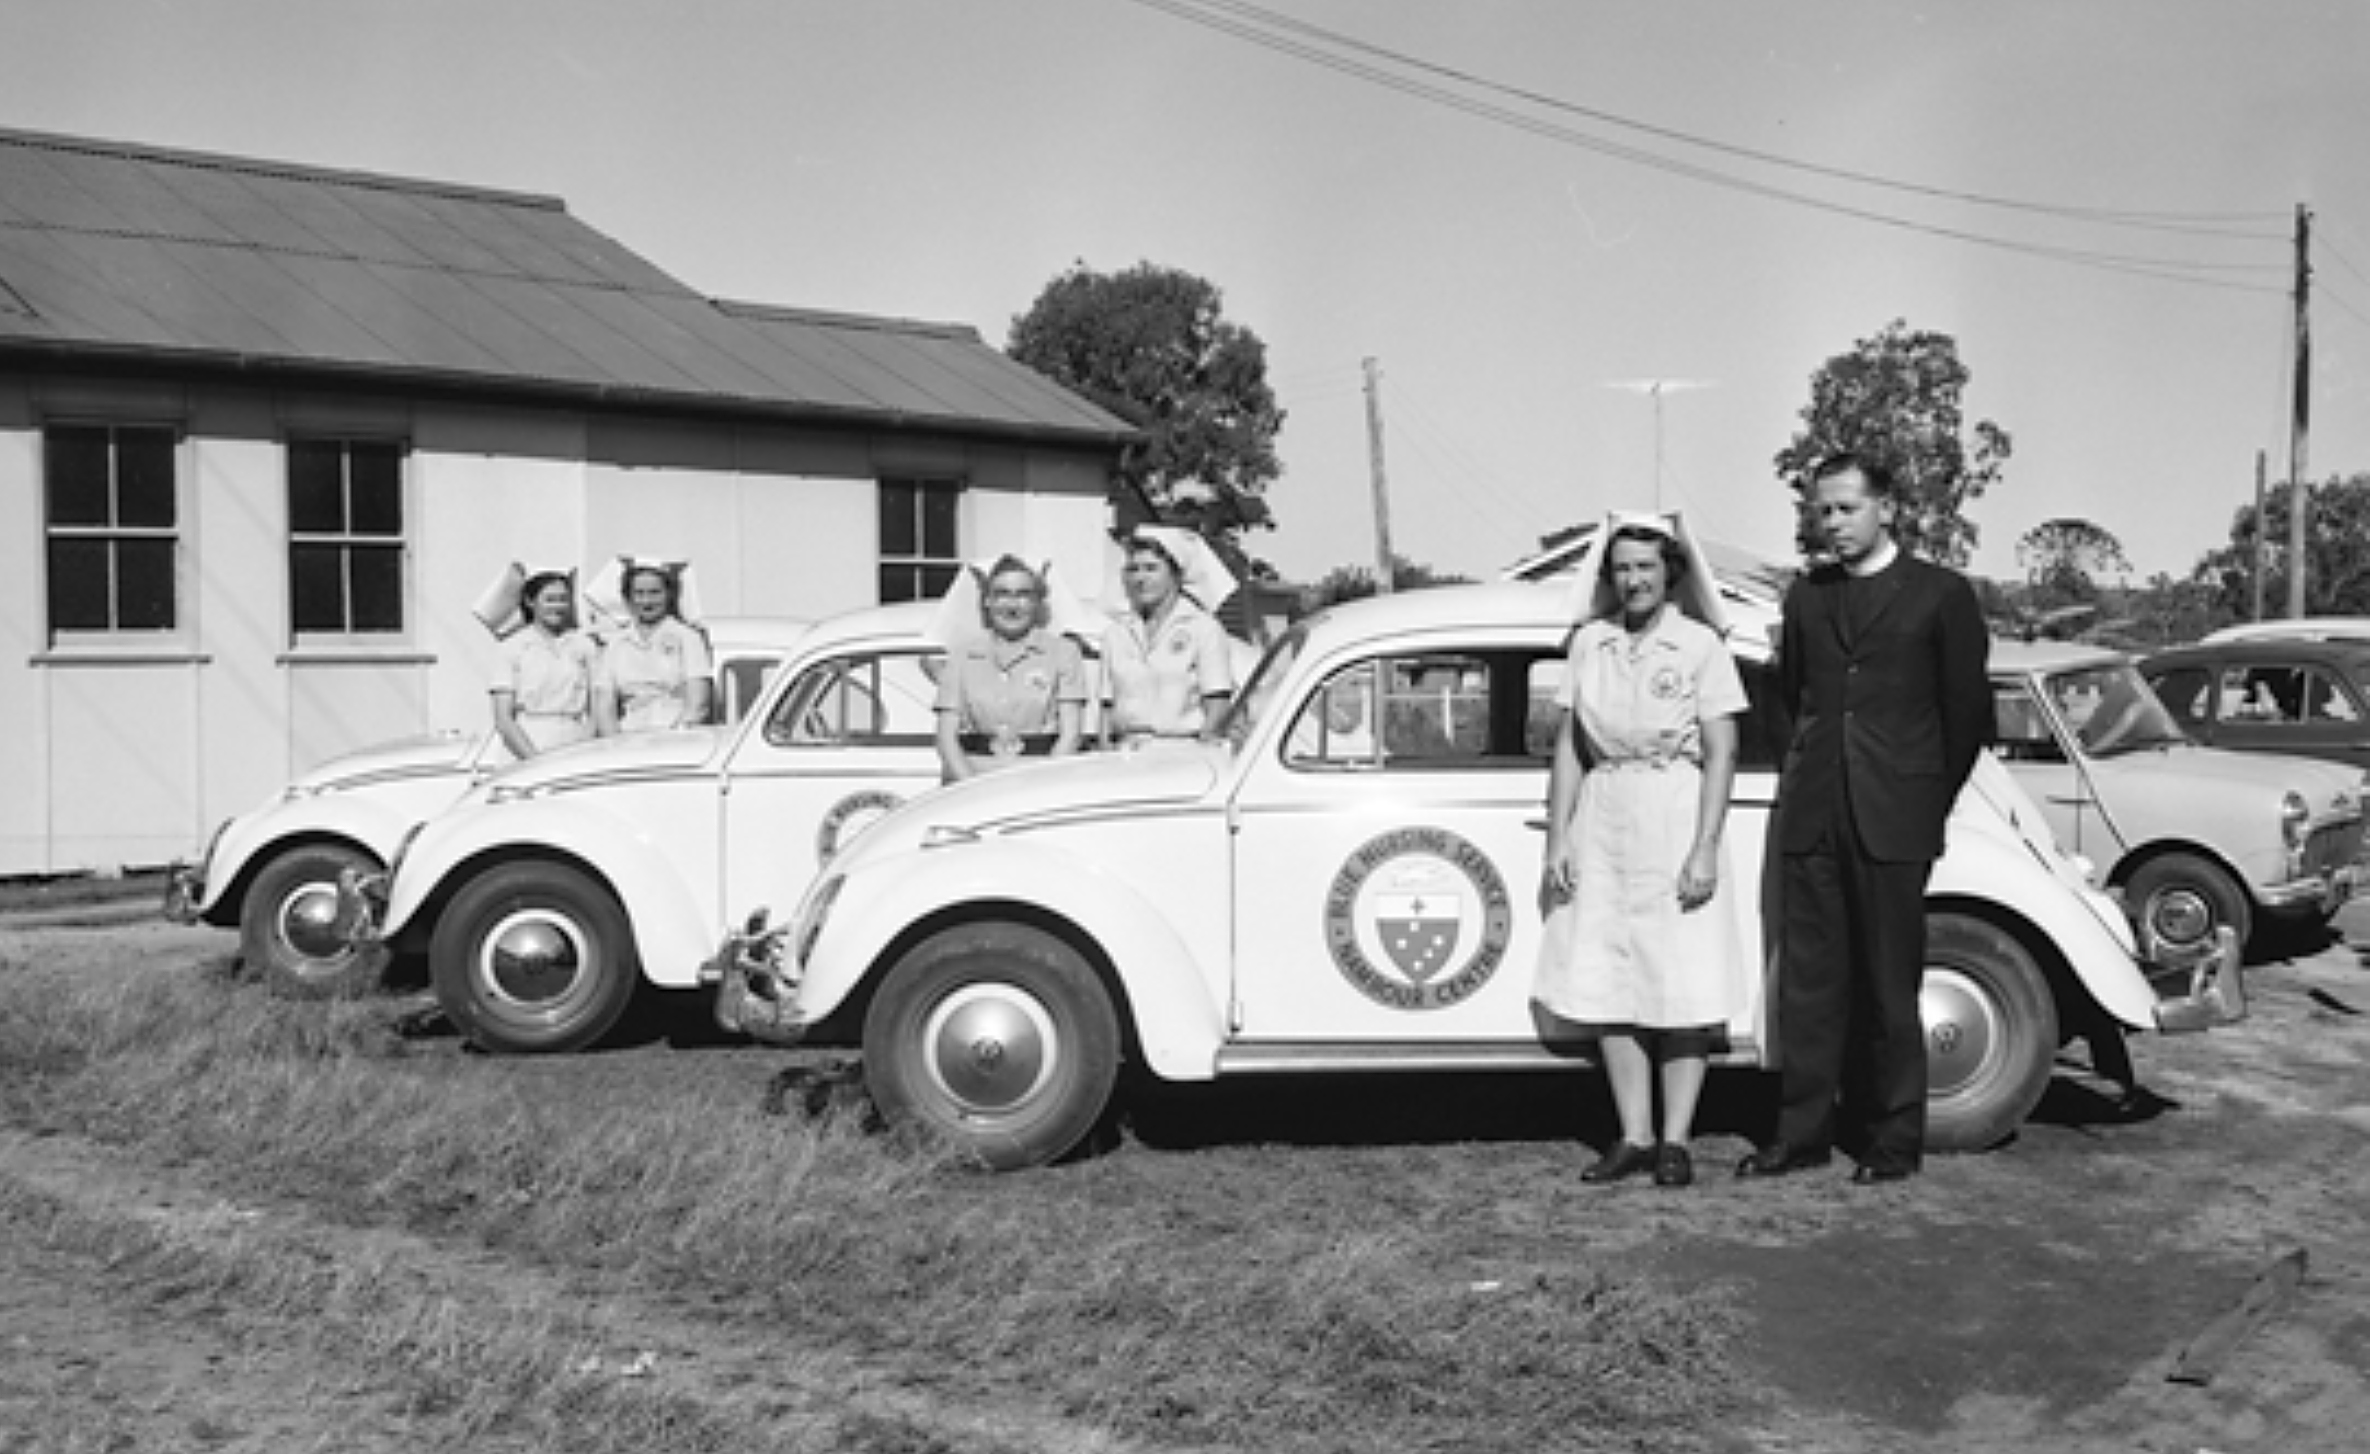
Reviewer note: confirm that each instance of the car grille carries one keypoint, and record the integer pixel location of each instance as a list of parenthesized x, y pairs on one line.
[(2332, 846)]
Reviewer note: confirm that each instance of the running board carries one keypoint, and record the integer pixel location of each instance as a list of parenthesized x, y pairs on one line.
[(1300, 1057)]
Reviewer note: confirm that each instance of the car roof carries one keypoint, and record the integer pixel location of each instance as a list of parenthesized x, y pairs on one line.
[(901, 620), (1495, 605), (2307, 628), (2333, 650), (2010, 655), (780, 632)]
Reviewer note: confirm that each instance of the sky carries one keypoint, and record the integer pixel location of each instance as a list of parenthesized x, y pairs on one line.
[(1518, 269)]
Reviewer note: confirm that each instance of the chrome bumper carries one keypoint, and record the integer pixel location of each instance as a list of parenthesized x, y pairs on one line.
[(756, 989), (185, 889), (2212, 988)]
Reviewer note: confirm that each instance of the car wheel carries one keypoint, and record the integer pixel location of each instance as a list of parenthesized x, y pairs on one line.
[(289, 929), (534, 958), (2183, 898), (997, 1037), (1991, 1033)]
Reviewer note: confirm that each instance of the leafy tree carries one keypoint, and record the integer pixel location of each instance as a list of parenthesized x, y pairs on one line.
[(2336, 553), (2163, 612), (1152, 346), (1894, 399), (2062, 559), (1354, 582)]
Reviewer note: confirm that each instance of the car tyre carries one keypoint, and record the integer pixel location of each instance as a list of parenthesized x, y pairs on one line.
[(996, 1037), (289, 929), (2184, 898), (534, 959), (1991, 1033)]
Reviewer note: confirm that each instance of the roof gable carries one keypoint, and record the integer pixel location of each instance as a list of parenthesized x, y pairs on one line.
[(118, 251)]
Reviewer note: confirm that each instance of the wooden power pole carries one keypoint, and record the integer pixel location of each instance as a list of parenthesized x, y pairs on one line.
[(2300, 416), (1382, 493), (2262, 540)]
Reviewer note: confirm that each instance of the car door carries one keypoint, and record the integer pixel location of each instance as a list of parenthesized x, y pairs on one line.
[(852, 736), (1388, 849), (2029, 737)]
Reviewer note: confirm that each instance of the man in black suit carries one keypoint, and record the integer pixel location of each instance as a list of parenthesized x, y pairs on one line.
[(1881, 661)]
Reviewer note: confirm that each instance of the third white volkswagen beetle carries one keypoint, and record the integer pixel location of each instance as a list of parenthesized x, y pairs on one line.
[(1346, 883)]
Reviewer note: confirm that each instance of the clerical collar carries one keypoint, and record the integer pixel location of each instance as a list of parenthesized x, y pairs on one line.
[(1887, 551)]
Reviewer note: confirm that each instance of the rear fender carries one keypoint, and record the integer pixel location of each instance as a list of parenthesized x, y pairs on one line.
[(1178, 1020), (1996, 872)]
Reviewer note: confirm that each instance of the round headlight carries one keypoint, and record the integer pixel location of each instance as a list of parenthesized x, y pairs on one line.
[(2294, 818)]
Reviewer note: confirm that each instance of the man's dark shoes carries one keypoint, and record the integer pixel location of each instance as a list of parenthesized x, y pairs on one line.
[(1782, 1160), (1624, 1160), (1879, 1173), (1672, 1165)]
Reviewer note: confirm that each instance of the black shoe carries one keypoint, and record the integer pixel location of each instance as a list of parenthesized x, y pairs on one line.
[(1879, 1173), (1672, 1165), (1782, 1160), (1624, 1160)]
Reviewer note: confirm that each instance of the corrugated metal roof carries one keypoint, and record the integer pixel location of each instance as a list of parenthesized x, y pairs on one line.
[(112, 250)]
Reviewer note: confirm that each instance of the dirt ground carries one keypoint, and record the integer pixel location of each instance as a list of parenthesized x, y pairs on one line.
[(2033, 1297)]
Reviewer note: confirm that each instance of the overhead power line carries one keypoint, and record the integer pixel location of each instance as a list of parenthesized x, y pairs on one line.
[(1244, 22)]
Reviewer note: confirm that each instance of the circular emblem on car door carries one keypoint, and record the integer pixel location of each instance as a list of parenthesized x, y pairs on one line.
[(848, 817), (1418, 919)]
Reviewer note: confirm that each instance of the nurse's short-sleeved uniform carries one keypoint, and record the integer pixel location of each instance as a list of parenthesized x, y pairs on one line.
[(1159, 677), (651, 671), (1625, 954), (549, 679)]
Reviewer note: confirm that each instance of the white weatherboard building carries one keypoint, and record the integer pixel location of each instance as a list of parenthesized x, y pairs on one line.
[(267, 431)]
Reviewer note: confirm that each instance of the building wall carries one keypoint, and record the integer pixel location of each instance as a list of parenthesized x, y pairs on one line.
[(127, 753)]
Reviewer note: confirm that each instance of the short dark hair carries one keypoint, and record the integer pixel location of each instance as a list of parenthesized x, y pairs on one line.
[(666, 578), (533, 586), (1674, 559), (1145, 543), (1880, 480)]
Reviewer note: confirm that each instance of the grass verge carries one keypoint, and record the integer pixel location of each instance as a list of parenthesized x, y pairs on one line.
[(1071, 1296)]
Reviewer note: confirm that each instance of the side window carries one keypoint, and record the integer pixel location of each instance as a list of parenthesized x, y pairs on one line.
[(345, 537), (1542, 718), (1335, 728), (2263, 695), (2325, 700), (2021, 728), (2186, 693), (1761, 731), (112, 517), (739, 680), (1434, 711), (888, 700)]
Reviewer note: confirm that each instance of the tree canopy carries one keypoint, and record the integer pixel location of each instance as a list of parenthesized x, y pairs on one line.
[(2063, 558), (1153, 346), (1894, 400), (1355, 582), (2336, 552)]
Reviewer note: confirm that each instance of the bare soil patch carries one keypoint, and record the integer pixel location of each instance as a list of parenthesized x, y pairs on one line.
[(2032, 1297)]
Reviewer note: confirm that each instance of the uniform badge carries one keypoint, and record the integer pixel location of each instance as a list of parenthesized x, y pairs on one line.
[(1666, 684), (1418, 919), (1179, 645)]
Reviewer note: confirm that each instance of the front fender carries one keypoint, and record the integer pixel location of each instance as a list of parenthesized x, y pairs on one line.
[(674, 926), (1984, 868), (369, 823), (1179, 1022)]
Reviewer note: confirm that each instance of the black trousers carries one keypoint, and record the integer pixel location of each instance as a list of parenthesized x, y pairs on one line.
[(1851, 1043)]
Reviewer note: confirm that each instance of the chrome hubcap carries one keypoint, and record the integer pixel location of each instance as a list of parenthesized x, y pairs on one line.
[(533, 958), (990, 1048), (1964, 1030), (2180, 915), (308, 922)]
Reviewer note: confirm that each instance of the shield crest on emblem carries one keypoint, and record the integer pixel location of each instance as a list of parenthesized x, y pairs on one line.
[(1419, 931)]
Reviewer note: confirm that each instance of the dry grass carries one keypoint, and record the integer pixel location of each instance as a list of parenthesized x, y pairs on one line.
[(1081, 1295)]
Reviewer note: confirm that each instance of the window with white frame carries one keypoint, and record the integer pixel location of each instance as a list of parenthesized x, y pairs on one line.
[(113, 516), (919, 552), (345, 537)]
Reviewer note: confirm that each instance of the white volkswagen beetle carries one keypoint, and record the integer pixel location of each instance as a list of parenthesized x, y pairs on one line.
[(272, 871), (1346, 883)]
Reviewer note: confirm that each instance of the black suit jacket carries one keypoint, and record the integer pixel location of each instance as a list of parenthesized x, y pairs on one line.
[(1889, 716)]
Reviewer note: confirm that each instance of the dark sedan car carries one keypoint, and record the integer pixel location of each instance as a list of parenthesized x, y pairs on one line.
[(2300, 695)]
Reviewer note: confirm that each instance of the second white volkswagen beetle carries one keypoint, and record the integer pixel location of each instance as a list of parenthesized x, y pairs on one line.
[(1345, 883)]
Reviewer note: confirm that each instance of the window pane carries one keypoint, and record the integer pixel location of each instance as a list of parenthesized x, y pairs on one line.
[(316, 487), (938, 522), (897, 584), (144, 477), (936, 581), (316, 588), (78, 587), (374, 473), (898, 535), (378, 587), (144, 585), (74, 461)]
